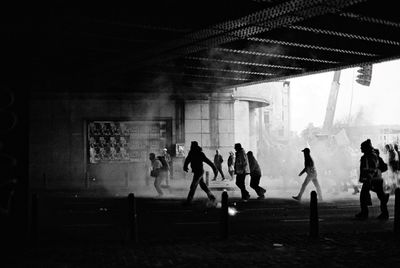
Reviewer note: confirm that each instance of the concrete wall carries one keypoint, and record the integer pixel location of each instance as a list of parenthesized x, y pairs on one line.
[(57, 137), (242, 124)]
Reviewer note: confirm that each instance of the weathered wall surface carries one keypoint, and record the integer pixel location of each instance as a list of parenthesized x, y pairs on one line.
[(58, 142)]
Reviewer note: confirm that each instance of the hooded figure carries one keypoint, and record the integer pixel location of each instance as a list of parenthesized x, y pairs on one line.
[(309, 168), (241, 170), (370, 177), (255, 175), (196, 158)]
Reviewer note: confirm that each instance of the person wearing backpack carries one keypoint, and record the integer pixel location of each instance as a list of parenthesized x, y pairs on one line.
[(157, 172), (371, 179), (164, 168)]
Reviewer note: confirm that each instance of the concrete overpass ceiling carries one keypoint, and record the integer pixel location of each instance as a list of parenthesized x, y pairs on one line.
[(204, 46)]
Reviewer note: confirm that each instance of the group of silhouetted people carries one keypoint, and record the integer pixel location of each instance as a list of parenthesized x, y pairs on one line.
[(242, 164)]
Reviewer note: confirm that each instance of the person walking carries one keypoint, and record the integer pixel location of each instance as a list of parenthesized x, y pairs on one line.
[(157, 172), (231, 164), (309, 168), (255, 175), (218, 160), (241, 170), (168, 160), (391, 160), (196, 158), (371, 179)]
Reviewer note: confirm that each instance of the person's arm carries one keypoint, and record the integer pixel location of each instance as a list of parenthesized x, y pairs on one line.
[(187, 161), (302, 172)]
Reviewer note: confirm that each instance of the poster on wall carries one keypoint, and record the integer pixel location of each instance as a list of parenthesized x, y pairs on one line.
[(125, 141), (180, 150)]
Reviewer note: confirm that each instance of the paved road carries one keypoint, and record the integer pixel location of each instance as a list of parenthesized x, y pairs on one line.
[(92, 232), (80, 218)]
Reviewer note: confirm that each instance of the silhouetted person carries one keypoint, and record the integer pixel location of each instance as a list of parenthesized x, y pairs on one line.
[(397, 159), (242, 168), (231, 164), (168, 158), (157, 172), (218, 160), (393, 165), (255, 175), (309, 168), (196, 158), (371, 179)]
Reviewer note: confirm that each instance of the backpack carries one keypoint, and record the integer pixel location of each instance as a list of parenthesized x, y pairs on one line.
[(382, 165), (163, 162)]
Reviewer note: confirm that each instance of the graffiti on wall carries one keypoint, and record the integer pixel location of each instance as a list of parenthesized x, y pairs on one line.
[(124, 141)]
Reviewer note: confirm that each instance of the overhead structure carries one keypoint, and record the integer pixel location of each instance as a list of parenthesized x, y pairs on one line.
[(207, 46)]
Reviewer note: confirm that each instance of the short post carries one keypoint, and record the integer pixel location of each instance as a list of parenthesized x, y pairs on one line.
[(224, 215), (34, 219), (44, 181), (314, 215), (132, 218), (397, 211), (207, 177)]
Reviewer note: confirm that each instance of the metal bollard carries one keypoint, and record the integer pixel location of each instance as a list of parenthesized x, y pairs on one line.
[(207, 177), (224, 215), (314, 215), (34, 219), (397, 211), (132, 218)]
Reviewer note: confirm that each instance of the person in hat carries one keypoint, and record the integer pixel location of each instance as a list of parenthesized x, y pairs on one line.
[(309, 168), (196, 158), (371, 179)]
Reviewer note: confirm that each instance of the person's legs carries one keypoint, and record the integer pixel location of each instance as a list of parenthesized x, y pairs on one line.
[(204, 187), (240, 178), (317, 187), (157, 183), (167, 176), (377, 187), (303, 187), (365, 201), (193, 185), (255, 184), (231, 173), (220, 171)]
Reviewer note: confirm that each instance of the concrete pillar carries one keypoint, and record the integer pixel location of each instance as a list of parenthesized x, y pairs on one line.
[(214, 133)]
